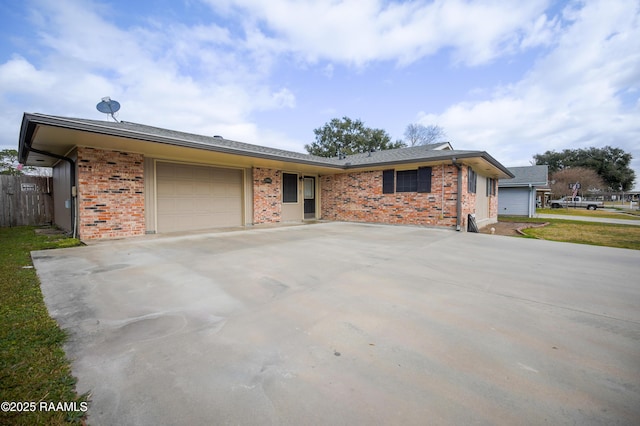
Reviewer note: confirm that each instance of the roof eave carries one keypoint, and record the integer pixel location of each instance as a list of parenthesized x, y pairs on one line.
[(27, 128), (520, 185), (31, 121), (448, 157), (497, 164)]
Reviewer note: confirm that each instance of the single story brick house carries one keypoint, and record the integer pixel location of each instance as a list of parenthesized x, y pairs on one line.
[(121, 179), (520, 194)]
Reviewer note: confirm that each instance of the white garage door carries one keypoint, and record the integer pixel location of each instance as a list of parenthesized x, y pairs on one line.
[(197, 197), (513, 201)]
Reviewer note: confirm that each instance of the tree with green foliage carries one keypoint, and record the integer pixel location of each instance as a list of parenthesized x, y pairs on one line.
[(9, 165), (611, 164), (347, 136), (9, 162)]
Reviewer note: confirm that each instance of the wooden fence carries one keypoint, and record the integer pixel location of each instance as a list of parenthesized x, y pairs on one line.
[(25, 200)]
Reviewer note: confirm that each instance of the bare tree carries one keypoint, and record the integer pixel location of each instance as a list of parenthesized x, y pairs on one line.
[(589, 181), (417, 134)]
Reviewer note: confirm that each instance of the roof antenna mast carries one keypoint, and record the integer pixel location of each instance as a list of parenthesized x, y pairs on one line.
[(109, 106)]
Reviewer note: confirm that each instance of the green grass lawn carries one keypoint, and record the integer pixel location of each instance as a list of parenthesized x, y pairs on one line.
[(582, 232), (33, 366)]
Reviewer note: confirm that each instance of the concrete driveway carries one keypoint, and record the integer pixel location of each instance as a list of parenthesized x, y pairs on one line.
[(340, 323)]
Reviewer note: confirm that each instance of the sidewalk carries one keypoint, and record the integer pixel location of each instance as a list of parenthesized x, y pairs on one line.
[(590, 219)]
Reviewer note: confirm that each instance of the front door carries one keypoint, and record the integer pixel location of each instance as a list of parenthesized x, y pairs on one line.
[(309, 198)]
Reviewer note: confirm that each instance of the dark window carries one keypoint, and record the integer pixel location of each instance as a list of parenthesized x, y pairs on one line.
[(424, 179), (289, 188), (388, 183), (407, 181), (472, 181), (491, 187)]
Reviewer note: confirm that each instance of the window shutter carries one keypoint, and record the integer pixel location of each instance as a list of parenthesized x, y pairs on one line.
[(424, 179), (388, 183)]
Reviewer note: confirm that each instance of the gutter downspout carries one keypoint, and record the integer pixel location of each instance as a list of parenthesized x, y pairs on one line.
[(459, 197), (72, 175), (531, 197)]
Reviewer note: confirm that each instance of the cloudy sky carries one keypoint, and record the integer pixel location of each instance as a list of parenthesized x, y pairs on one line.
[(507, 77)]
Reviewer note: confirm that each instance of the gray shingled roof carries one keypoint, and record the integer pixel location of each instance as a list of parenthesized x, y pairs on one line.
[(525, 176), (402, 155), (219, 142), (173, 137)]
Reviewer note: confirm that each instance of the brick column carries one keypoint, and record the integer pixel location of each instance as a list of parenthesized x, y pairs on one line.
[(110, 194), (267, 195)]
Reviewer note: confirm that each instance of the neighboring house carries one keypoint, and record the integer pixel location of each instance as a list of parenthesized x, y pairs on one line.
[(519, 195), (114, 180)]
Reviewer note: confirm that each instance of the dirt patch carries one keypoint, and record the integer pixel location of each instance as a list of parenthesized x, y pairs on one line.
[(49, 230), (510, 228)]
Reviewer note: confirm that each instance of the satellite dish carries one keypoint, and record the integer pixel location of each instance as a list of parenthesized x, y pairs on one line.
[(108, 106)]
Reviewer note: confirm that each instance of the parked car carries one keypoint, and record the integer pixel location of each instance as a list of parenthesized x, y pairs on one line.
[(575, 202)]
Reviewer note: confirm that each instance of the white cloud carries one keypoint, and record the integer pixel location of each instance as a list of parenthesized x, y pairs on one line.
[(572, 97), (214, 77), (360, 31), (282, 99), (542, 32), (196, 79), (19, 76)]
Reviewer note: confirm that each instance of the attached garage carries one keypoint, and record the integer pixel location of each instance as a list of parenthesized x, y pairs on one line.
[(197, 197)]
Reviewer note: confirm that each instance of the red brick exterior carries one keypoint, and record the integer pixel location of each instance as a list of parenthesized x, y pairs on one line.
[(111, 197), (358, 197), (110, 194), (493, 205), (267, 197)]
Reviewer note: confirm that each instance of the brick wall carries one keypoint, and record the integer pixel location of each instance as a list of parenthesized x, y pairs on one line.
[(110, 194), (493, 206), (358, 197), (267, 197)]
